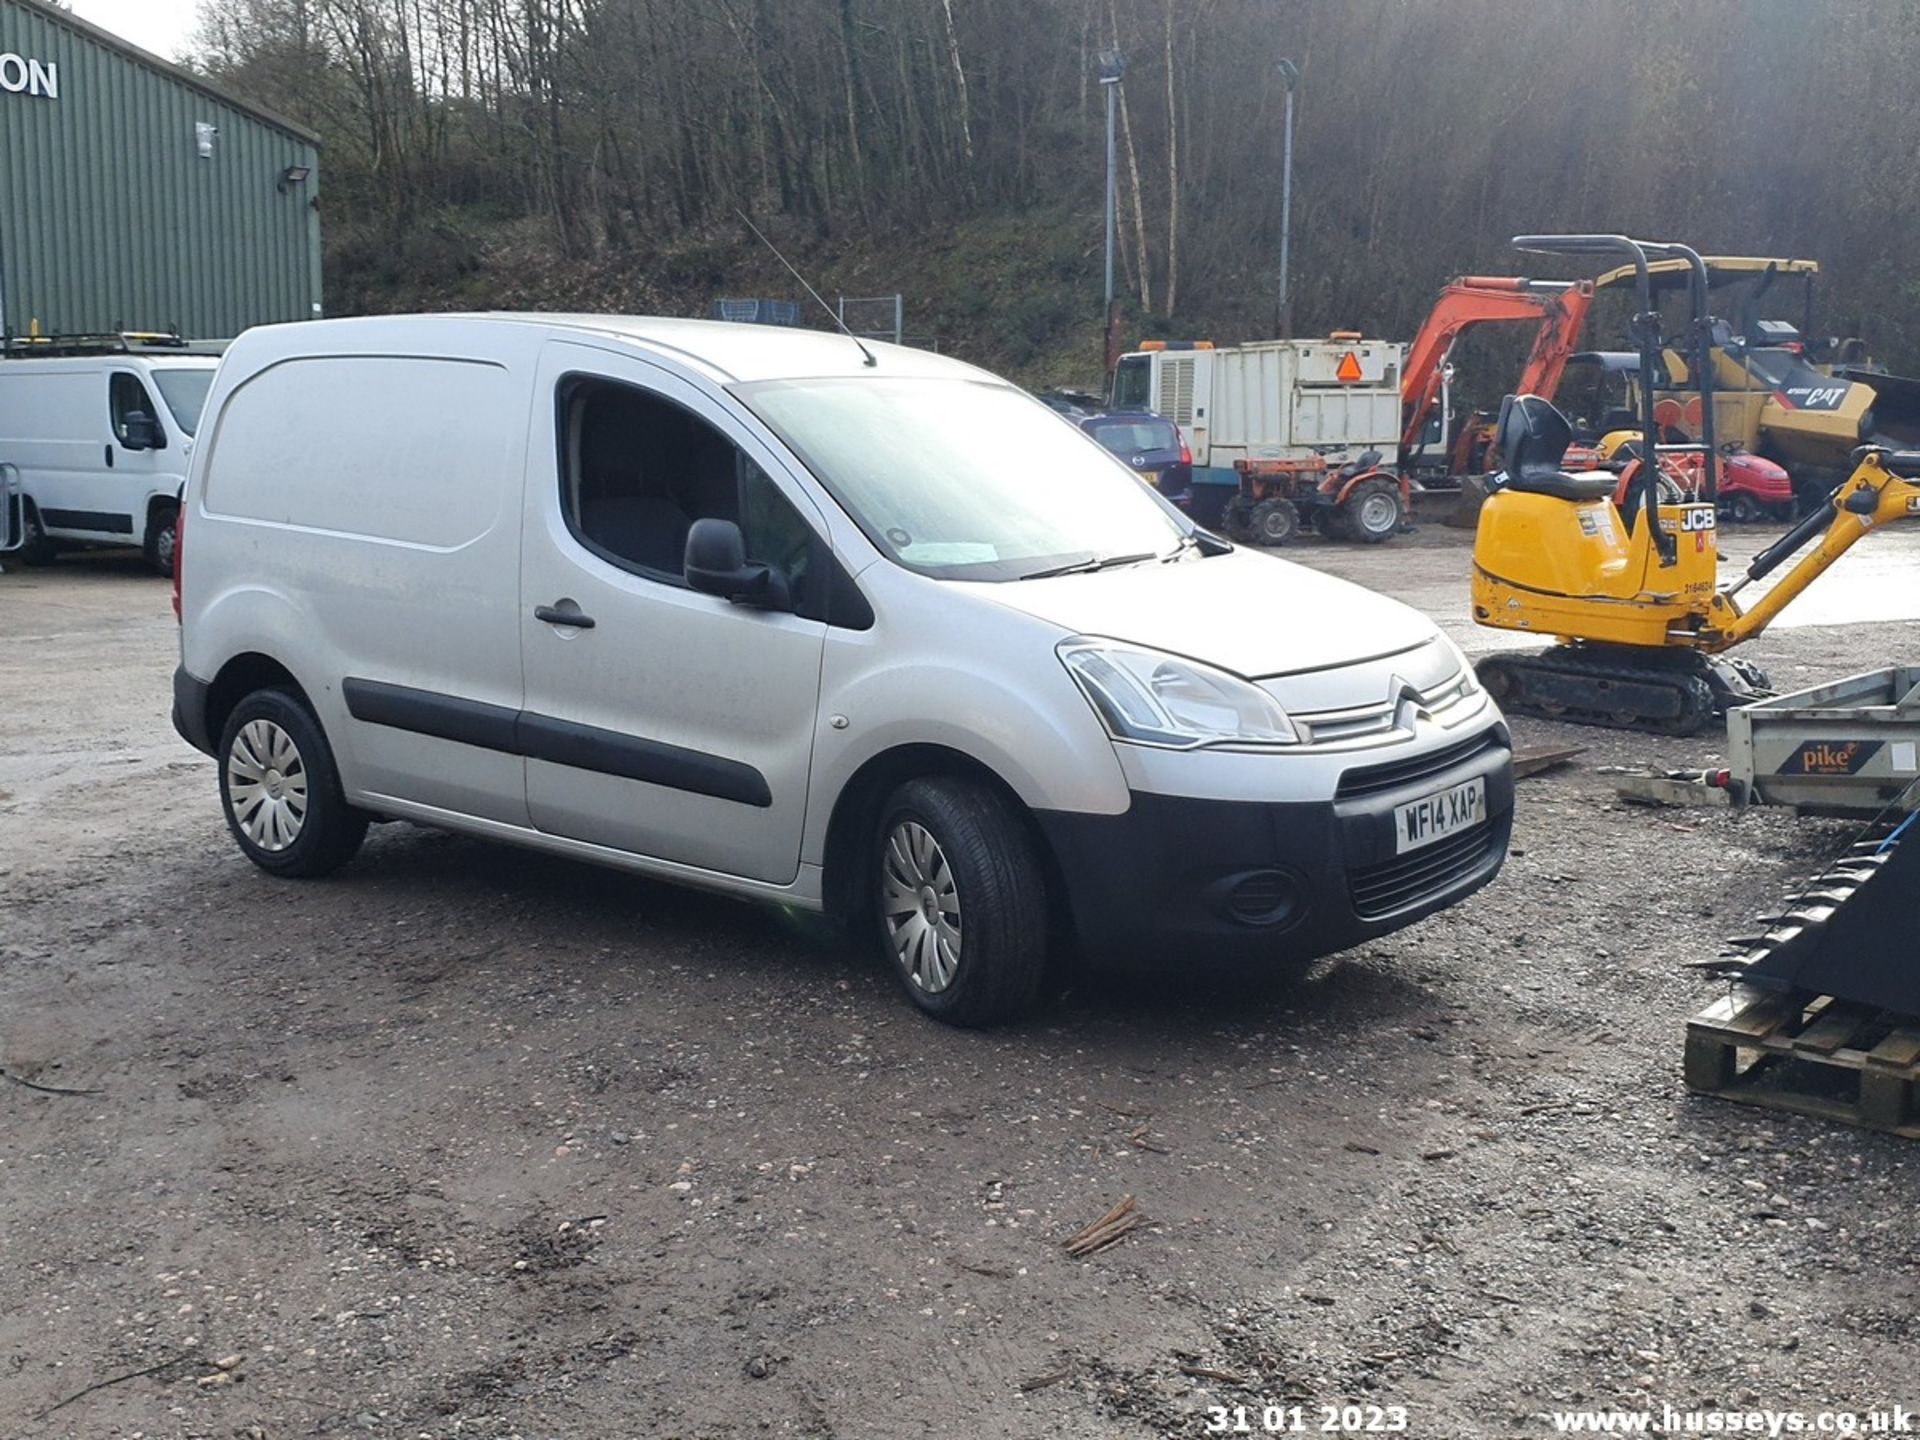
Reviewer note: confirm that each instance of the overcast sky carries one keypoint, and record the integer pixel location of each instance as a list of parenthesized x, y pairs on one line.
[(162, 26)]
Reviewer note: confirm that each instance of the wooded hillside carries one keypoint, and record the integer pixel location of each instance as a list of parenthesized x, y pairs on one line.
[(593, 152)]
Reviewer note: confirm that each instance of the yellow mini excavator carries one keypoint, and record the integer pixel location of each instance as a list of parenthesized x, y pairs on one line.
[(1631, 591)]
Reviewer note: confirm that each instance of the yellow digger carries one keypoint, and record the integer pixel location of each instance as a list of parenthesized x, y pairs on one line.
[(1631, 591)]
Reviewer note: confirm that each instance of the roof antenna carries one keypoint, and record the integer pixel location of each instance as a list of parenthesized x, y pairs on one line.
[(808, 288)]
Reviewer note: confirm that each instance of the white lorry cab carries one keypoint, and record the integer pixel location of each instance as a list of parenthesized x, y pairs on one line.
[(99, 431), (843, 626)]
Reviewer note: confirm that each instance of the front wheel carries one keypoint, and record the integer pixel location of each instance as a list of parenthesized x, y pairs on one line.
[(959, 901), (280, 790), (1372, 510), (1274, 521), (1236, 520)]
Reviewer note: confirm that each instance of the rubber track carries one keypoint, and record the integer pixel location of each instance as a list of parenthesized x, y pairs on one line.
[(1697, 708)]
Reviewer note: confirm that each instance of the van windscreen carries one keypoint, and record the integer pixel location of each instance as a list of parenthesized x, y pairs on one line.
[(965, 479), (185, 394)]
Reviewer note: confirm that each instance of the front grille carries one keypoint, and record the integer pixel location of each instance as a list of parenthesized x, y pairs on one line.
[(1405, 881), (1328, 727), (1373, 779)]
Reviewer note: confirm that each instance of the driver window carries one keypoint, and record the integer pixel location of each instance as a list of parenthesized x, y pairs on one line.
[(125, 396), (637, 471)]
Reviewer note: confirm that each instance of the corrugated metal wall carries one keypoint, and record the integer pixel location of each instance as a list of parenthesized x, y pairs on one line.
[(111, 220)]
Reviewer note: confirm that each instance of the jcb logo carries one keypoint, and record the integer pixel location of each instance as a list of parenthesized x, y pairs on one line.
[(1696, 518)]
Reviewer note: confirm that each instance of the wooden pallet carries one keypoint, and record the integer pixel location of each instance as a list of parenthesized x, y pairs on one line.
[(1809, 1054)]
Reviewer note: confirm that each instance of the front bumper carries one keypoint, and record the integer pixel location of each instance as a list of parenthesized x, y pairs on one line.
[(1177, 883)]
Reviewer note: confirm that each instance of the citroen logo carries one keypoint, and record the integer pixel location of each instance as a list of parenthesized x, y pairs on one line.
[(1408, 703)]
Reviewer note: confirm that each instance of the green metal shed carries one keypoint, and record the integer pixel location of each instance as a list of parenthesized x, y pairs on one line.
[(135, 195)]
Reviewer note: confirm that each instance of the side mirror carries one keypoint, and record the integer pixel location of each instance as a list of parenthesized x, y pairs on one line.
[(140, 431), (716, 564)]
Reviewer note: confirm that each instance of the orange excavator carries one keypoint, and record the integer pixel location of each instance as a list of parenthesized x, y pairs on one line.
[(1556, 308), (1750, 486)]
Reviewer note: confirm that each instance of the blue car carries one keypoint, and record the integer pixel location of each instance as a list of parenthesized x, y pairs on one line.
[(1151, 444)]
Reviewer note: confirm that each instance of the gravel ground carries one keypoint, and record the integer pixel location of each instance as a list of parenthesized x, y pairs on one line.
[(470, 1142)]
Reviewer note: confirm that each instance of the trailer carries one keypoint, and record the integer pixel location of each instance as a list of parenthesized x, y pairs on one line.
[(1851, 747), (1285, 434)]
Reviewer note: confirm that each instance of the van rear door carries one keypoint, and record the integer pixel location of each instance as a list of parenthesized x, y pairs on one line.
[(658, 720)]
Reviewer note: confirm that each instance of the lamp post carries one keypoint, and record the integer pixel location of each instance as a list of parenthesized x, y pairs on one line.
[(1290, 77), (1113, 66)]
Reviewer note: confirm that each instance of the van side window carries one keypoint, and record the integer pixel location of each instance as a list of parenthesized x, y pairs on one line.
[(125, 395), (637, 471)]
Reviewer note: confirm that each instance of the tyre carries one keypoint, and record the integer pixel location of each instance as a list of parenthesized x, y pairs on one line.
[(959, 903), (37, 549), (280, 791), (1372, 510), (1745, 508), (158, 545), (1273, 522), (1235, 520)]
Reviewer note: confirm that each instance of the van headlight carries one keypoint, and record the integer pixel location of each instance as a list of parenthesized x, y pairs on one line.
[(1154, 698)]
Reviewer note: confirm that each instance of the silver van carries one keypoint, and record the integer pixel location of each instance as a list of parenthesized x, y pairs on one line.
[(848, 627)]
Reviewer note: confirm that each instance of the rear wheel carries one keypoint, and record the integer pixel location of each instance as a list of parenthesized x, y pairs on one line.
[(959, 902), (280, 790), (1273, 521), (158, 546), (1372, 510), (37, 549), (1745, 508)]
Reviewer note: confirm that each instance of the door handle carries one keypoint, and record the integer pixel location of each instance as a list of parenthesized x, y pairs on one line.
[(554, 615), (109, 457)]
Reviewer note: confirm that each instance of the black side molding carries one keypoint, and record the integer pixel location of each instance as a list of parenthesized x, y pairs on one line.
[(426, 712), (104, 521), (560, 742)]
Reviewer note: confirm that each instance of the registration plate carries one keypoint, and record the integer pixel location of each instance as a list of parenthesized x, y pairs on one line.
[(1421, 822)]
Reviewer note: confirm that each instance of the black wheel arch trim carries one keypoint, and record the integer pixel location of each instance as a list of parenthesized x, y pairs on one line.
[(190, 696)]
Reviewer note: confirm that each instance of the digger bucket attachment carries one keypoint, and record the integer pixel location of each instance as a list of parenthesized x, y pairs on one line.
[(1853, 932)]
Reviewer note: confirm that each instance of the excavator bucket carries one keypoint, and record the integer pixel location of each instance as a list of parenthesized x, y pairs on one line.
[(1852, 933), (1896, 405), (1823, 1017)]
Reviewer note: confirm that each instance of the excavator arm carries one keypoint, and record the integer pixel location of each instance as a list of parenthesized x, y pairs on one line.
[(1557, 308), (1871, 497)]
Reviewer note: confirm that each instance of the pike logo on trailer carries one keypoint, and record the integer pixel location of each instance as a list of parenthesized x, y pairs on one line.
[(1348, 370), (1827, 757)]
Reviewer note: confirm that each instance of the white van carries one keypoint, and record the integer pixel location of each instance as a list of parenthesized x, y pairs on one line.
[(101, 443), (840, 626)]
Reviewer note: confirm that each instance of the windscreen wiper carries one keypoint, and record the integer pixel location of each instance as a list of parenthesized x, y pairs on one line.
[(1097, 562)]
